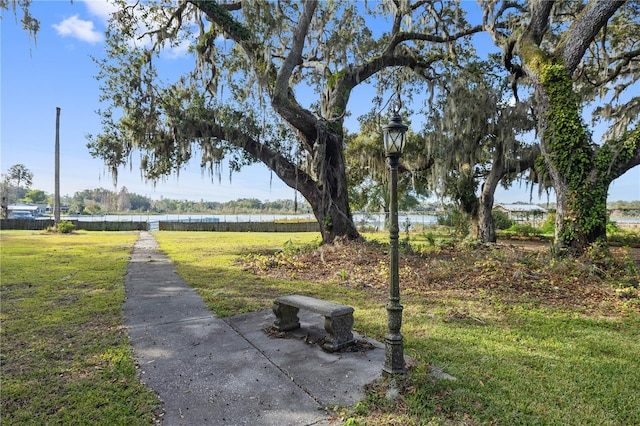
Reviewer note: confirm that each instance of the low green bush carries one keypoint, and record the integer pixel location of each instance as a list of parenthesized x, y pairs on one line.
[(501, 220), (523, 230), (549, 225), (65, 227), (457, 220)]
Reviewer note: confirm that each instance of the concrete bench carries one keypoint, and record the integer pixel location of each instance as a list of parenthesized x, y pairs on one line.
[(338, 319)]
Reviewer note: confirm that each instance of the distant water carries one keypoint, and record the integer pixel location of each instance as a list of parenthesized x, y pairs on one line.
[(186, 218), (372, 220)]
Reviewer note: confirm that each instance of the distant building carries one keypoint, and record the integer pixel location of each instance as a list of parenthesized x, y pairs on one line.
[(524, 213), (23, 211), (28, 211)]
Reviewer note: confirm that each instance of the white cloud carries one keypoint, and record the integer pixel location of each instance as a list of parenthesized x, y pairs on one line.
[(78, 28), (100, 8)]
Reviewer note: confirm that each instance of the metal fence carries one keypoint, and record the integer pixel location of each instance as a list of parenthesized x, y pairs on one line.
[(166, 226)]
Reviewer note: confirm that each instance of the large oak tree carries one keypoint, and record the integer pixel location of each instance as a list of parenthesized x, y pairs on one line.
[(477, 137), (575, 53), (246, 98)]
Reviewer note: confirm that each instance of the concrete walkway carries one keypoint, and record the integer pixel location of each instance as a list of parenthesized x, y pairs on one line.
[(209, 371)]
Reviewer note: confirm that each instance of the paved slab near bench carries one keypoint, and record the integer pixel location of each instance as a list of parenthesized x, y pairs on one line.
[(209, 371)]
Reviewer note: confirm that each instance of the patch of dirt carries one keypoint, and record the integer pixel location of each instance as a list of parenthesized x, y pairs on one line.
[(511, 271)]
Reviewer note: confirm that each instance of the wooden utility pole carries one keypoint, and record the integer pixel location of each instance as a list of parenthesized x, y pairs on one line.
[(56, 195)]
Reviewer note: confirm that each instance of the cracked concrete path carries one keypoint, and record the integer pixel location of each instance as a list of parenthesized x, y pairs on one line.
[(210, 371)]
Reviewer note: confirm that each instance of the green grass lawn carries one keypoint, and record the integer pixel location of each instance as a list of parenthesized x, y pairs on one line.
[(66, 360)]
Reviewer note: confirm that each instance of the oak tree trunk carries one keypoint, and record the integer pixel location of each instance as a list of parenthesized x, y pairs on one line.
[(485, 229), (331, 205)]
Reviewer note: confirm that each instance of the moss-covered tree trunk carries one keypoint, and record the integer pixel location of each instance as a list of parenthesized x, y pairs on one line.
[(570, 157), (581, 216), (553, 47)]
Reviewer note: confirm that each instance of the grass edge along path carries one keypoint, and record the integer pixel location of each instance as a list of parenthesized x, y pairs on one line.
[(65, 357), (516, 362)]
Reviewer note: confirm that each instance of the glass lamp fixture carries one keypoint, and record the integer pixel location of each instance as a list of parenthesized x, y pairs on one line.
[(394, 135)]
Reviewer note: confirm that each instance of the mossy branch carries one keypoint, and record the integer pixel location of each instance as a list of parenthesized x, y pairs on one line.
[(221, 16)]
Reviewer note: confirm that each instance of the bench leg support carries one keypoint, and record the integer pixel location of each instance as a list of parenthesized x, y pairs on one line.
[(286, 317), (339, 333)]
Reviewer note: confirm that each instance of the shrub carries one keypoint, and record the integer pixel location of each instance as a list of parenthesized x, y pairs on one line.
[(549, 225), (612, 227), (523, 230), (431, 239), (444, 219), (501, 219), (291, 248), (457, 220), (65, 227)]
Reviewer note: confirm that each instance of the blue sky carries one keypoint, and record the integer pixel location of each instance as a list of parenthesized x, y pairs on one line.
[(57, 71)]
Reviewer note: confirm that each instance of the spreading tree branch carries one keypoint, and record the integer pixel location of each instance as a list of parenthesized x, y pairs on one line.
[(540, 11), (283, 100), (584, 29)]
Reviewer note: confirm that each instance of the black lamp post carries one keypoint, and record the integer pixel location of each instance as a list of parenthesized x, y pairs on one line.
[(394, 138)]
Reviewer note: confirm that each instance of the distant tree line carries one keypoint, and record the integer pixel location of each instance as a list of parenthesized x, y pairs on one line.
[(104, 201), (621, 209)]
